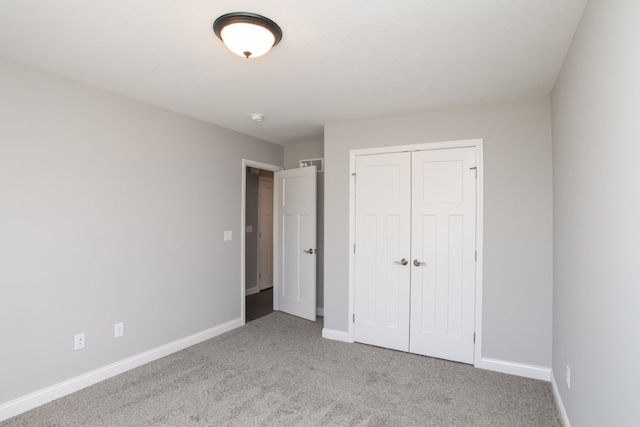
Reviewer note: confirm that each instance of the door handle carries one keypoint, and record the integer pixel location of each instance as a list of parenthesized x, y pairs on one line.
[(418, 263), (403, 261), (309, 251)]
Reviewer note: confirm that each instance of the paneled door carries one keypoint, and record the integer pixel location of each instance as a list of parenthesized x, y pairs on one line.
[(295, 243), (415, 252), (383, 244), (443, 242)]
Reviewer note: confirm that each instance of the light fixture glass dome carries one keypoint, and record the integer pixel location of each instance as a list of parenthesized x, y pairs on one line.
[(247, 40), (247, 34)]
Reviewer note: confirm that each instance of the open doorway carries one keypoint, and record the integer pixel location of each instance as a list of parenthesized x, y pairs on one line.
[(257, 240)]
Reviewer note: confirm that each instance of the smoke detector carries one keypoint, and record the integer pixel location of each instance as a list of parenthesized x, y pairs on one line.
[(257, 117)]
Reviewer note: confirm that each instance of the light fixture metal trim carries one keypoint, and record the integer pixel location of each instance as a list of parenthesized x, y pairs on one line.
[(247, 18)]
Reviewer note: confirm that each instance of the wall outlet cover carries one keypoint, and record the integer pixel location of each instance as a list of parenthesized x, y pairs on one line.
[(78, 341), (118, 330)]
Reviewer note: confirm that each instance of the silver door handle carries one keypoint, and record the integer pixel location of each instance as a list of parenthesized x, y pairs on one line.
[(309, 251), (418, 263), (403, 261)]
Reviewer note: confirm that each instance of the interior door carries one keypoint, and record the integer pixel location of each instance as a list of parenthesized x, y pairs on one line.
[(443, 246), (295, 243), (383, 200), (265, 233), (415, 252)]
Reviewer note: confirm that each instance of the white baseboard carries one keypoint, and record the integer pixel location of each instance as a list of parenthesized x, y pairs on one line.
[(332, 334), (320, 311), (251, 291), (556, 395), (33, 400), (514, 368)]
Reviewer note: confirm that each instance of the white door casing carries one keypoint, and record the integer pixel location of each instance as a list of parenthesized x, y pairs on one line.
[(247, 163), (443, 253), (295, 242), (383, 250), (444, 307), (265, 233)]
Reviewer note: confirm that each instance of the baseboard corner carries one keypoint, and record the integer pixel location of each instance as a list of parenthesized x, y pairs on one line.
[(556, 395), (336, 335)]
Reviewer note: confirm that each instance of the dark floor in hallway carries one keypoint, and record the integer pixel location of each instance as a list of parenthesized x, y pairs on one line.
[(258, 305)]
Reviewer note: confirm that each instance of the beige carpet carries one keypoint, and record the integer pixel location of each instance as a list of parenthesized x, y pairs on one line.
[(278, 371)]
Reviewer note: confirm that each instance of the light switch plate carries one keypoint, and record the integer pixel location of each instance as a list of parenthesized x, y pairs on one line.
[(227, 235)]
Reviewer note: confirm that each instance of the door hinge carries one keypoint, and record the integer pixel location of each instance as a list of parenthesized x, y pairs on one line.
[(259, 275), (476, 255), (474, 337), (354, 248), (475, 169), (354, 318), (354, 177)]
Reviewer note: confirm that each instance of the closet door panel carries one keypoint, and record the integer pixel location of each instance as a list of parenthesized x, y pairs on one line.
[(443, 253), (382, 279)]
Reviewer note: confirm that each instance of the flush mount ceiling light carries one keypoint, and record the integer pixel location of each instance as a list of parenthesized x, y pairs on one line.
[(247, 34)]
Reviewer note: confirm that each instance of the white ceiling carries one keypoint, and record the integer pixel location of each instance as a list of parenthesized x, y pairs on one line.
[(338, 60)]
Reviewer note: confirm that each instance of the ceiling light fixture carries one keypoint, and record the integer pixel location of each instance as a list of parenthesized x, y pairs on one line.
[(247, 34)]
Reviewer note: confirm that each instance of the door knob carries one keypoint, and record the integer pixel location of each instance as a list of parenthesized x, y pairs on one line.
[(418, 263), (309, 251), (403, 261)]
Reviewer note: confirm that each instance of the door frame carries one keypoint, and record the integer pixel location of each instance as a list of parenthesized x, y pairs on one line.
[(478, 145), (246, 163)]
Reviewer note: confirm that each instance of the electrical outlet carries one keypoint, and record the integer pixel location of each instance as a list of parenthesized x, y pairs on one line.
[(568, 377), (118, 330), (78, 341)]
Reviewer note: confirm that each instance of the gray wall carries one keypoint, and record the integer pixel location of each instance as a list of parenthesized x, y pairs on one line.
[(596, 151), (308, 149), (110, 211), (517, 215), (312, 149)]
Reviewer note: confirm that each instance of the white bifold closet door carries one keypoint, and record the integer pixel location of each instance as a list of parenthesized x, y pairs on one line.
[(415, 252)]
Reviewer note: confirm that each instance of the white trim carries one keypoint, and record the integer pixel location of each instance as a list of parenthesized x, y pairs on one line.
[(320, 311), (480, 248), (332, 334), (251, 291), (478, 144), (64, 388), (353, 154), (246, 163), (515, 368), (556, 394)]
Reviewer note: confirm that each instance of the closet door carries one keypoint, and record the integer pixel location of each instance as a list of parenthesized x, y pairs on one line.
[(383, 232), (443, 253)]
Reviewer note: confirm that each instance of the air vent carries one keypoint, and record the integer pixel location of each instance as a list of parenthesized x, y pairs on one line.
[(318, 163)]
